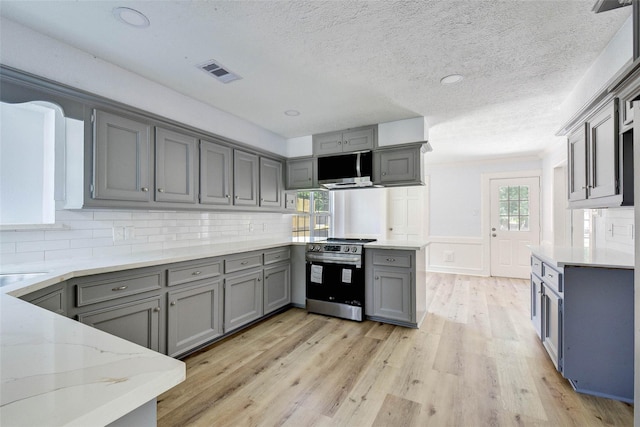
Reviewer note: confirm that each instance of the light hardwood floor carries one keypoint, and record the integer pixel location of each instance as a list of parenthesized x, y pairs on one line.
[(476, 361)]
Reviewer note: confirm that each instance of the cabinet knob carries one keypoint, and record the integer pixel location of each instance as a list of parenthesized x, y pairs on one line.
[(226, 195), (377, 278), (493, 229), (259, 279), (550, 275), (119, 288), (346, 142), (384, 173), (156, 309), (144, 189), (339, 142), (160, 190), (261, 199), (493, 234), (391, 229), (265, 278), (237, 197), (173, 303), (197, 273), (391, 259)]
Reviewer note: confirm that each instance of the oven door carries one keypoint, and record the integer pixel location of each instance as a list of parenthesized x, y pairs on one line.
[(339, 283)]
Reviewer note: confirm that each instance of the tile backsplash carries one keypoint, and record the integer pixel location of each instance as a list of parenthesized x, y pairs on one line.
[(614, 229), (97, 233)]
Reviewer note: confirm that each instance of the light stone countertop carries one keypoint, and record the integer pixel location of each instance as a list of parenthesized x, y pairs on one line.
[(409, 245), (584, 257), (56, 371)]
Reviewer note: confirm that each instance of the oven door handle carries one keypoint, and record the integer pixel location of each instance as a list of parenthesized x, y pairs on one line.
[(348, 260)]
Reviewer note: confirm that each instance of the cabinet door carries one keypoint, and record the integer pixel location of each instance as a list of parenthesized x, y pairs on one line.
[(300, 173), (577, 156), (328, 143), (243, 301), (138, 322), (603, 134), (552, 325), (52, 298), (270, 183), (175, 167), (392, 294), (215, 174), (194, 316), (398, 165), (358, 140), (122, 149), (536, 305), (277, 287), (245, 178)]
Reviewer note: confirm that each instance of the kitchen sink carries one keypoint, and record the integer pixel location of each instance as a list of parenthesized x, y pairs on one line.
[(10, 278)]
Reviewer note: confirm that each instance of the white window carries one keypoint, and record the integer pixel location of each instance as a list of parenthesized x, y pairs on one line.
[(313, 220)]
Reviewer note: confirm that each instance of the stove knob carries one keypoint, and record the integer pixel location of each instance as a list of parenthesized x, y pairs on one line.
[(316, 248), (354, 249)]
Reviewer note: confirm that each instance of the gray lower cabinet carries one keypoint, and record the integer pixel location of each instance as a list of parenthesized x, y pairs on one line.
[(176, 167), (135, 321), (277, 287), (194, 315), (586, 318), (271, 185), (243, 299), (122, 158), (301, 173), (216, 174), (52, 298), (398, 166), (245, 178), (393, 291)]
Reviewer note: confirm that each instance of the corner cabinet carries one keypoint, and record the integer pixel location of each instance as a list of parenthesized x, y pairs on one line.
[(393, 291), (357, 139), (399, 166), (123, 158), (302, 173)]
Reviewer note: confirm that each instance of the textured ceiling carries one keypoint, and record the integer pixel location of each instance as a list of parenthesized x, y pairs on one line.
[(344, 64)]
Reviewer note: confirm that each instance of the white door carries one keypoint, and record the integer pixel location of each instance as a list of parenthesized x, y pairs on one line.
[(515, 223), (406, 213)]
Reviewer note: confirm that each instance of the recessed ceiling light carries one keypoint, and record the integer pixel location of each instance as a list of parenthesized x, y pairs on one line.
[(131, 17), (451, 79), (292, 113)]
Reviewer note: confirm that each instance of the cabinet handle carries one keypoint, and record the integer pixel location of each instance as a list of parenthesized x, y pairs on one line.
[(339, 142), (259, 279), (173, 303), (160, 190), (265, 278), (144, 189), (244, 263), (391, 259), (197, 273), (156, 309), (120, 288), (226, 195), (237, 197), (550, 275), (277, 256)]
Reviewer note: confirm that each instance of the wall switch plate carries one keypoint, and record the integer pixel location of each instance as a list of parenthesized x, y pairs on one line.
[(118, 234)]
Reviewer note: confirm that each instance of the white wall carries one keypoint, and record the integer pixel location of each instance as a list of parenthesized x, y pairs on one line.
[(360, 213), (38, 54)]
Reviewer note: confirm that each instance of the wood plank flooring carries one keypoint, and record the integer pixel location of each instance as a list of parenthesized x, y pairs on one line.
[(476, 361)]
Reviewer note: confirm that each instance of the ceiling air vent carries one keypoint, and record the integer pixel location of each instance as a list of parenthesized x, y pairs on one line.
[(219, 72)]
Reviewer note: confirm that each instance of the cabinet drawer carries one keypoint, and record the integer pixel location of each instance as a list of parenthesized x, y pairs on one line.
[(552, 278), (242, 262), (189, 273), (392, 259), (277, 255), (536, 266), (117, 287)]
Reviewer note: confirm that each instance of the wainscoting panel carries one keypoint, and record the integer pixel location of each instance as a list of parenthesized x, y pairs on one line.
[(459, 255)]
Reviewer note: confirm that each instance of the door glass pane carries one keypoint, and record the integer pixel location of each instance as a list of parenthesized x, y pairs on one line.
[(514, 207)]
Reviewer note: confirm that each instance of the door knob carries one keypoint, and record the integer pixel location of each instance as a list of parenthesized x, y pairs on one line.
[(493, 229), (493, 235)]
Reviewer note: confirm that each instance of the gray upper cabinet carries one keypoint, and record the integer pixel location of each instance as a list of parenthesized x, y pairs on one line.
[(176, 167), (603, 152), (301, 173), (194, 315), (577, 162), (122, 149), (358, 139), (216, 177), (245, 178), (271, 183), (398, 166)]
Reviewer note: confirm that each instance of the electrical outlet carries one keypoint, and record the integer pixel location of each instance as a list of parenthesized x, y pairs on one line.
[(448, 256), (250, 227), (118, 234)]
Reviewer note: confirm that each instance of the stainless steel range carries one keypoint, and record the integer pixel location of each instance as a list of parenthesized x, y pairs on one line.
[(335, 277)]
